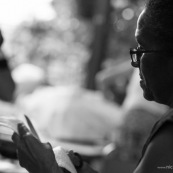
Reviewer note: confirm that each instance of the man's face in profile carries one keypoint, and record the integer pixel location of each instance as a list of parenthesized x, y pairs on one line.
[(153, 68)]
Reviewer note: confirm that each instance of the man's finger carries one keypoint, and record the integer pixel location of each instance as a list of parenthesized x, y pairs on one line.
[(29, 144), (76, 159), (38, 150), (23, 130), (16, 139), (86, 168)]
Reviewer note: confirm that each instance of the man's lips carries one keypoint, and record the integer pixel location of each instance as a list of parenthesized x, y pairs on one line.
[(142, 84)]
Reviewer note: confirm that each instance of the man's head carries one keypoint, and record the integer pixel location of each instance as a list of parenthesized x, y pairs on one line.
[(160, 14), (154, 35)]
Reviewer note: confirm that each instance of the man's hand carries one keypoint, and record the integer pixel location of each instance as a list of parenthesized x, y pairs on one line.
[(33, 155), (80, 165), (86, 168)]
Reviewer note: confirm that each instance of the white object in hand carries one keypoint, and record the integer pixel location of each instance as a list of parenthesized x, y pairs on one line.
[(63, 159)]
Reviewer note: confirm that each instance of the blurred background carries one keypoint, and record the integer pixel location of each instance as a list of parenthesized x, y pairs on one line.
[(61, 37), (68, 68)]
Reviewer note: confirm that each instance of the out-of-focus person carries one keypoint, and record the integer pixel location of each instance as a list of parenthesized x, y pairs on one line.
[(7, 85)]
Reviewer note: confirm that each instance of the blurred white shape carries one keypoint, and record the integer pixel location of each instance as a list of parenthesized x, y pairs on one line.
[(13, 12), (27, 78), (44, 12), (63, 159), (73, 113)]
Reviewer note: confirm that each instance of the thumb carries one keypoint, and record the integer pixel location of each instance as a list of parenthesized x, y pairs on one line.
[(16, 139)]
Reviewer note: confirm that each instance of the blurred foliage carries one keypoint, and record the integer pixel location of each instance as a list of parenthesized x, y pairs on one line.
[(123, 18), (61, 46), (124, 15)]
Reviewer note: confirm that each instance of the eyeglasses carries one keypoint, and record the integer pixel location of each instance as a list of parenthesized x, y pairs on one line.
[(137, 53)]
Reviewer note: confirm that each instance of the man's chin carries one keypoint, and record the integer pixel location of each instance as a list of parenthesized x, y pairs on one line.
[(146, 92), (148, 96)]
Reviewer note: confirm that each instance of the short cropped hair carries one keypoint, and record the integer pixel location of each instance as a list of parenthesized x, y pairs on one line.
[(159, 17)]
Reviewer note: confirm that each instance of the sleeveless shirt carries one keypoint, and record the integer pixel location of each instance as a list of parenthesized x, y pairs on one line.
[(167, 117)]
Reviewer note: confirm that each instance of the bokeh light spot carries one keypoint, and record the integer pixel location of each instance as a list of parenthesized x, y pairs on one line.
[(128, 14)]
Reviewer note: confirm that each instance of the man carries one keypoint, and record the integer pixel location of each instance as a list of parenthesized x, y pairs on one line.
[(154, 58)]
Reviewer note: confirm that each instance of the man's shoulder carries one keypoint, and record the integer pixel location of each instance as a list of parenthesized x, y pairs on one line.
[(166, 122), (158, 148)]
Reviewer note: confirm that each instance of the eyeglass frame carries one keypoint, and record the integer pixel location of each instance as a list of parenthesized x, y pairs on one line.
[(136, 51)]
